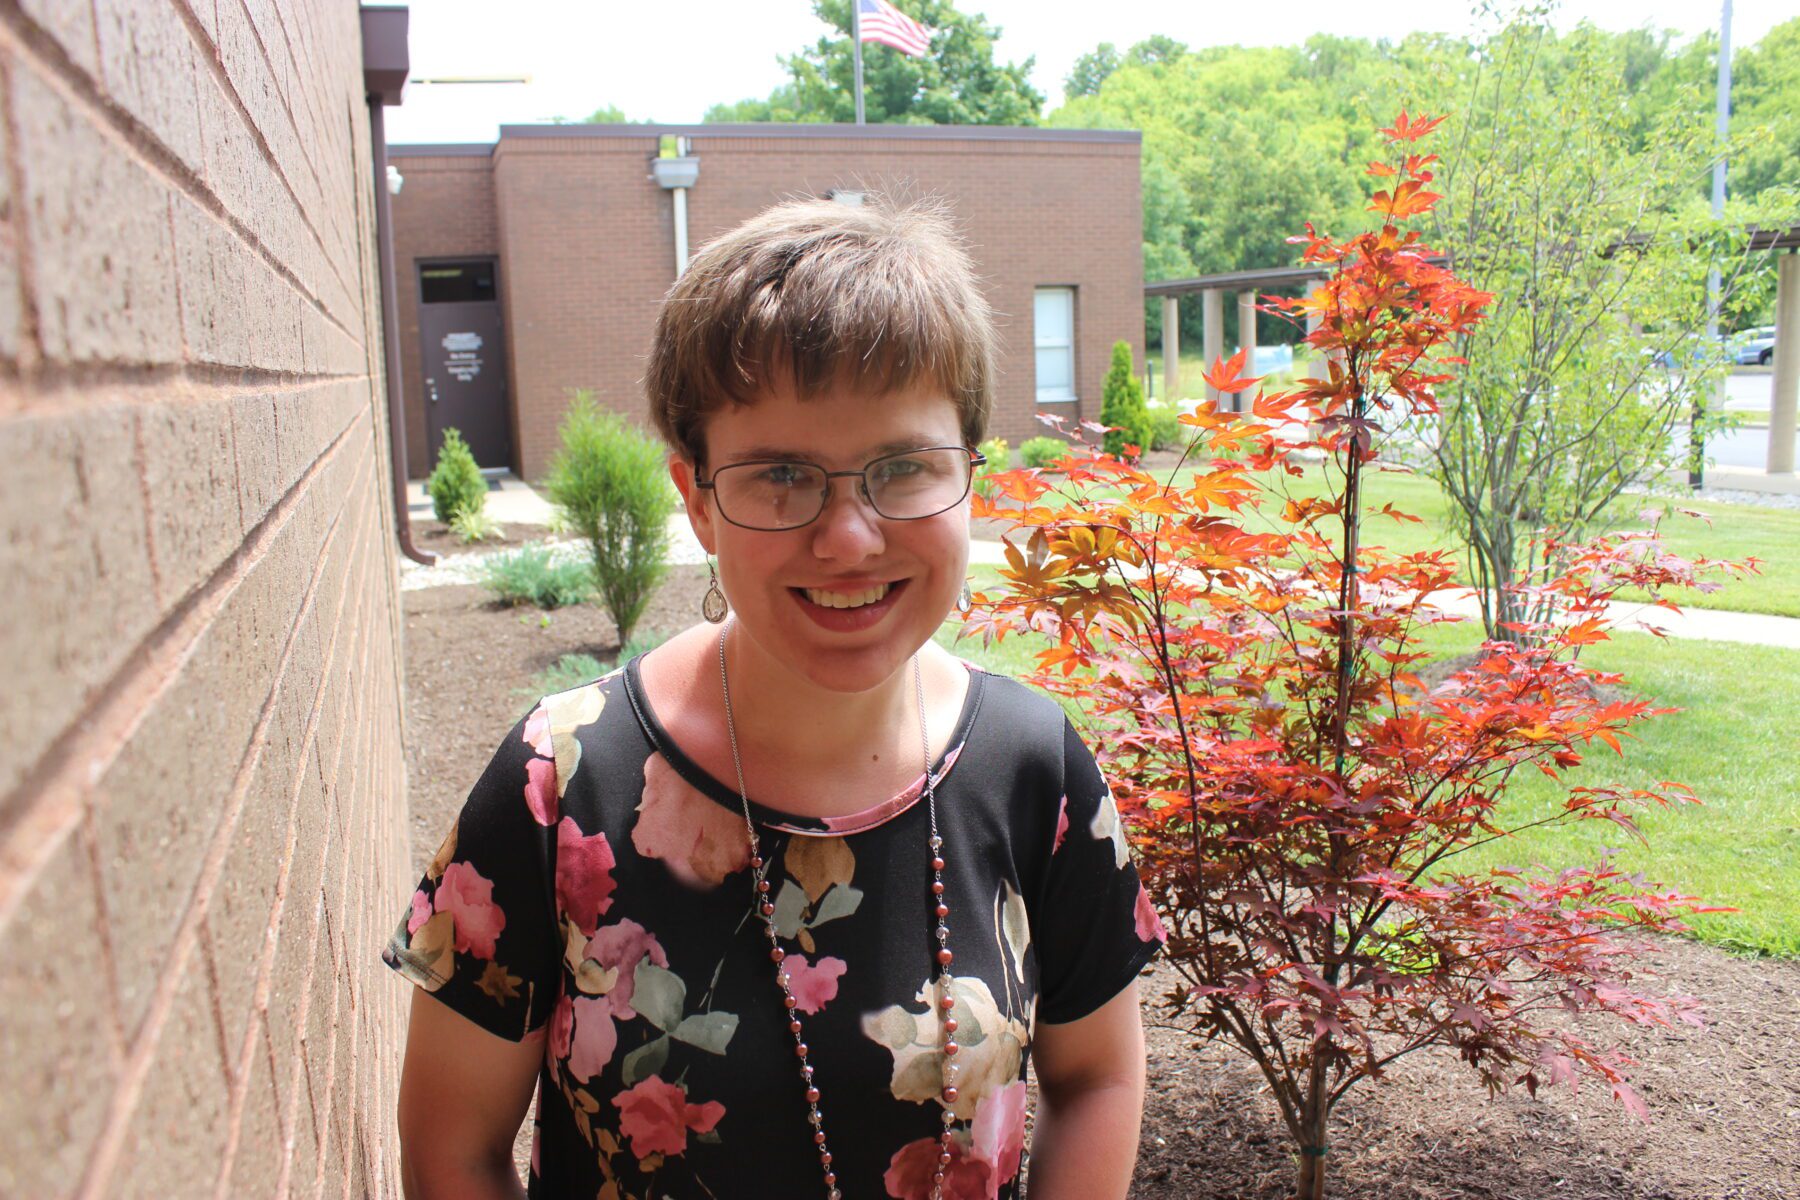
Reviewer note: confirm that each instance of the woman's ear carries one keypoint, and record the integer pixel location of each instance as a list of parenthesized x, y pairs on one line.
[(693, 498)]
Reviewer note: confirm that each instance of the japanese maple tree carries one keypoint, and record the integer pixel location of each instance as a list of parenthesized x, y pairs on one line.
[(1297, 795)]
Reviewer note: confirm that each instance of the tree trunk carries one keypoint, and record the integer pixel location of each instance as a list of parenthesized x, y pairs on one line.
[(1310, 1179)]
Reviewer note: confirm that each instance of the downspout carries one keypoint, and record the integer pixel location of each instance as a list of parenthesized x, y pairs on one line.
[(678, 174), (385, 65)]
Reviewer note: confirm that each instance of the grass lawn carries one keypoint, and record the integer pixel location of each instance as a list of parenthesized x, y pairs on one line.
[(1733, 742)]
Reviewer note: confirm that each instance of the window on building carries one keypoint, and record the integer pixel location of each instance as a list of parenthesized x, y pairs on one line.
[(455, 283), (1053, 325)]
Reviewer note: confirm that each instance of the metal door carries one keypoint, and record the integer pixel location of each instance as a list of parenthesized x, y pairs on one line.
[(462, 345)]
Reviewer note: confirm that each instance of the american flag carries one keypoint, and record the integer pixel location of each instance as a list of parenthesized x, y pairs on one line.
[(882, 22)]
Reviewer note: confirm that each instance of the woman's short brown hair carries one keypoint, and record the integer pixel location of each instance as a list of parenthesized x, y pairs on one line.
[(819, 294)]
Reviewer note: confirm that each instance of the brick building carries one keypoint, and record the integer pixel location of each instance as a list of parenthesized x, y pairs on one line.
[(540, 258), (203, 832)]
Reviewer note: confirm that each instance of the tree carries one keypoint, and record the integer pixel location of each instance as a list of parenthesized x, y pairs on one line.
[(1765, 102), (1090, 71), (1122, 404), (608, 114), (957, 83), (1296, 795), (1599, 259)]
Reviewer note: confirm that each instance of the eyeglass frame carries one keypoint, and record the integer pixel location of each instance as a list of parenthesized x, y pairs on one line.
[(976, 459)]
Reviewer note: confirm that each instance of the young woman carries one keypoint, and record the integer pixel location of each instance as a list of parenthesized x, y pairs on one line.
[(781, 908)]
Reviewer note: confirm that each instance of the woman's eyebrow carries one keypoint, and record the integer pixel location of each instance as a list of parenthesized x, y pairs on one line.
[(794, 454)]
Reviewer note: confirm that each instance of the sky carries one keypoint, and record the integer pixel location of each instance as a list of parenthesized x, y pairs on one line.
[(670, 61)]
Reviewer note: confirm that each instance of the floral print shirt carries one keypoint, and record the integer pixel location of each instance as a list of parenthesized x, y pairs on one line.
[(598, 883)]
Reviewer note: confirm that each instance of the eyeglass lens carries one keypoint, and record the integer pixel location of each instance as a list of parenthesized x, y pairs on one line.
[(782, 495)]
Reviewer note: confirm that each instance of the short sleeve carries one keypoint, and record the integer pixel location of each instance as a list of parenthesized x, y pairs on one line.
[(480, 932), (1095, 927)]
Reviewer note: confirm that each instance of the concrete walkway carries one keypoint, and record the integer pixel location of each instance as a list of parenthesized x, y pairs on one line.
[(513, 502)]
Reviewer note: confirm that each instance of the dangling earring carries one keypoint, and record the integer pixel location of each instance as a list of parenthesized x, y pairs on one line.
[(965, 600), (712, 605)]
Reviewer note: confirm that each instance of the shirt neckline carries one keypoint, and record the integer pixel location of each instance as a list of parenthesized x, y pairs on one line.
[(775, 818)]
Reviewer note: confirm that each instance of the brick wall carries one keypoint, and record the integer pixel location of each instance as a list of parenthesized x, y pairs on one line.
[(586, 244), (202, 831)]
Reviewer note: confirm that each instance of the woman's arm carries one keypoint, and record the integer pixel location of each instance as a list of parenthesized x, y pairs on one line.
[(463, 1094), (1090, 1075)]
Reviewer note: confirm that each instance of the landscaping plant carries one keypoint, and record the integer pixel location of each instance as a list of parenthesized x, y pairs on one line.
[(456, 484), (1040, 452), (532, 575), (611, 486), (1298, 797), (999, 458), (1122, 405), (473, 525)]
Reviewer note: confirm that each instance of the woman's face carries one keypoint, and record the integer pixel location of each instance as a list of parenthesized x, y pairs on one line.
[(773, 578)]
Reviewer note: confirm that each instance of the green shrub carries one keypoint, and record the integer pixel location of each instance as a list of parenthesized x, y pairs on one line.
[(1122, 404), (642, 642), (569, 671), (1042, 451), (1166, 430), (456, 484), (999, 458), (532, 576), (611, 484), (473, 525)]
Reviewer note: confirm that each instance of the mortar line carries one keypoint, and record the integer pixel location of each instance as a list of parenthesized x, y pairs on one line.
[(104, 1156), (354, 581), (61, 389), (50, 798), (270, 934), (140, 142), (109, 966), (30, 338), (141, 468)]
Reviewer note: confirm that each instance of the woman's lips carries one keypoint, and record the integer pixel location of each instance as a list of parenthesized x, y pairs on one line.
[(849, 620)]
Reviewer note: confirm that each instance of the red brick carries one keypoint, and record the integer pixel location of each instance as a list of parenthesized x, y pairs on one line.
[(177, 1132), (56, 1074), (148, 64), (99, 228)]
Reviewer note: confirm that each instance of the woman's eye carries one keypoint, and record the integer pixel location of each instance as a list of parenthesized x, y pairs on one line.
[(783, 474)]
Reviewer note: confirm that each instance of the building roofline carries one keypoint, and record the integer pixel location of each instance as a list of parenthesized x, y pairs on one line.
[(924, 133), (443, 150)]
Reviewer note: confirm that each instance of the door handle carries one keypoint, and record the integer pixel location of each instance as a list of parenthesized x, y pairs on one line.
[(431, 389)]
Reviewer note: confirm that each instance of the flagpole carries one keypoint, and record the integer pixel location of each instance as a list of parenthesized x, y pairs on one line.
[(856, 49)]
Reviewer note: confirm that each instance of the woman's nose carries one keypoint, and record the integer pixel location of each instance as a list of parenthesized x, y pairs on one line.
[(849, 529)]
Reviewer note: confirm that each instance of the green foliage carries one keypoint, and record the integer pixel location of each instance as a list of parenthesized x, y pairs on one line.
[(1039, 452), (612, 114), (611, 485), (1166, 429), (1091, 70), (1122, 404), (641, 642), (569, 671), (533, 575), (1765, 101), (958, 83), (473, 525), (999, 458), (456, 484)]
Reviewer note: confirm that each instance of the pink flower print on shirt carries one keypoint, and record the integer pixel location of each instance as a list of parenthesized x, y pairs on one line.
[(998, 1135), (594, 1039), (699, 841), (623, 946), (657, 1117), (421, 911), (537, 733), (813, 985), (562, 1034), (584, 881), (469, 899), (1149, 925), (909, 1172), (1062, 824), (540, 790)]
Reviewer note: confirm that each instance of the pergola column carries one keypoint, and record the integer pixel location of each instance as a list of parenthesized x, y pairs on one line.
[(1171, 329), (1212, 315), (1246, 306), (1784, 397)]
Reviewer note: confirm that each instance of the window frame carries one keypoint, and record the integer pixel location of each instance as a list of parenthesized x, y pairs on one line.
[(1072, 395)]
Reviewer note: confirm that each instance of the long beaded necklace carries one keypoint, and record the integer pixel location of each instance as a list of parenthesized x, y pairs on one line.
[(946, 1002)]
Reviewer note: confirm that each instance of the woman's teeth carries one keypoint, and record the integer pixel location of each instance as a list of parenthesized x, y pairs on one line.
[(826, 599)]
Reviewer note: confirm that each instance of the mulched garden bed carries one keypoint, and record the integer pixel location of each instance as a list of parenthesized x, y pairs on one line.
[(437, 537), (1724, 1101)]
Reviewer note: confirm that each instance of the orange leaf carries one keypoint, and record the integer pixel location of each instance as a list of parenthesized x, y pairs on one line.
[(1224, 374)]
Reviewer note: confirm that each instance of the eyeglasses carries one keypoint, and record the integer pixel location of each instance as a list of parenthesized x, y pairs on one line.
[(774, 495)]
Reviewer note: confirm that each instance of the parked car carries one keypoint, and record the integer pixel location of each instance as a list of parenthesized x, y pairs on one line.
[(1756, 347)]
